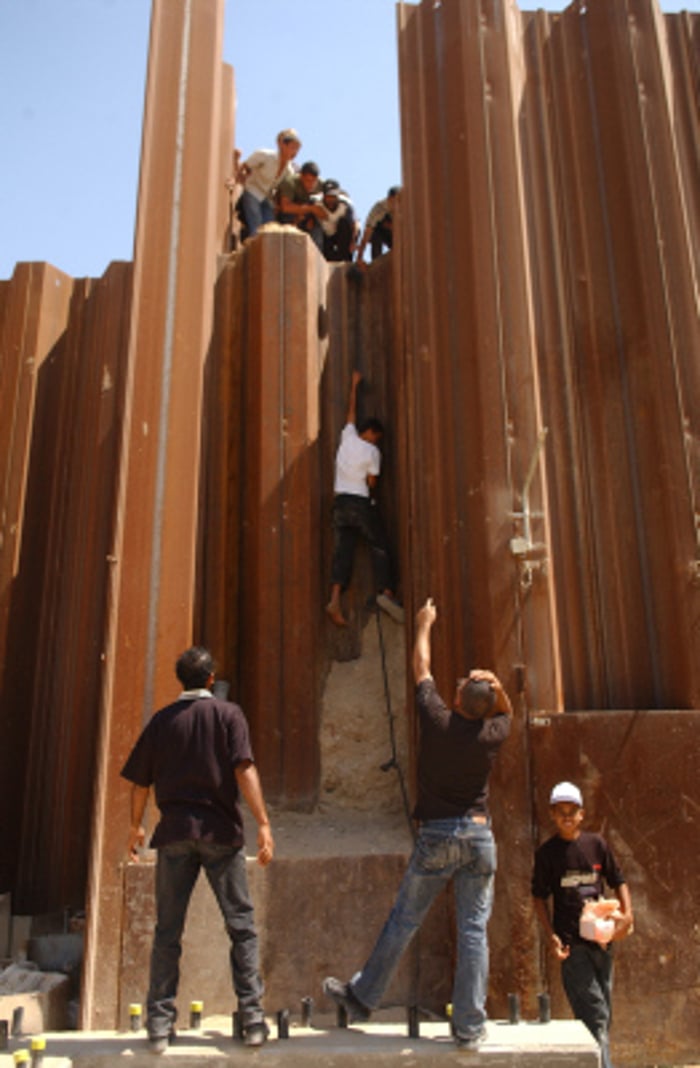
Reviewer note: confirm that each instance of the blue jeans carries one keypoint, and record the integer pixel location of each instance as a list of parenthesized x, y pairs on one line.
[(457, 849), (587, 978), (255, 213), (177, 869)]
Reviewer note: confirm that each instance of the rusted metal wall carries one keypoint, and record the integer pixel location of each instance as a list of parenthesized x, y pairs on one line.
[(179, 484), (63, 345), (552, 193), (288, 331), (638, 774), (549, 280), (151, 596), (610, 135), (261, 513)]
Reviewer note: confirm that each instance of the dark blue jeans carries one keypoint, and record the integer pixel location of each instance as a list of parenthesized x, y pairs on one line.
[(587, 978), (177, 869)]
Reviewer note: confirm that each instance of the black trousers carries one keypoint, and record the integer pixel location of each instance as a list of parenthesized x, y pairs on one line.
[(355, 516), (381, 235), (336, 247)]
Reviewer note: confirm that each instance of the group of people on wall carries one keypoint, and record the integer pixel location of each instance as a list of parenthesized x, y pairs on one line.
[(274, 188)]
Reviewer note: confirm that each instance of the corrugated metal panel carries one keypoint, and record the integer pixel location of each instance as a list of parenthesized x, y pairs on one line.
[(550, 279), (545, 276), (151, 601), (474, 399), (56, 656), (35, 309), (638, 774)]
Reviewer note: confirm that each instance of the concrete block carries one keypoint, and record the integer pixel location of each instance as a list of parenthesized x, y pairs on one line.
[(43, 997), (561, 1044)]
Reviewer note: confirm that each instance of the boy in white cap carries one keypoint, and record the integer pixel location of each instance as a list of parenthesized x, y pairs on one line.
[(572, 867)]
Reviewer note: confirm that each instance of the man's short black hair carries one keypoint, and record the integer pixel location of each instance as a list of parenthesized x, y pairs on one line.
[(476, 697), (194, 667), (311, 168), (371, 424)]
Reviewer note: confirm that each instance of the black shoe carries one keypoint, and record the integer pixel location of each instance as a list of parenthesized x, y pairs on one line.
[(256, 1035), (341, 994)]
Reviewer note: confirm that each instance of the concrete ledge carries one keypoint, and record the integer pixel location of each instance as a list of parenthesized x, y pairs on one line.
[(559, 1044)]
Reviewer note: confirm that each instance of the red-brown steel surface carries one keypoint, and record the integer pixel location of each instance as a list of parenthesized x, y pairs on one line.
[(34, 309), (167, 439), (58, 634), (549, 278), (151, 612), (472, 379), (638, 775), (280, 594)]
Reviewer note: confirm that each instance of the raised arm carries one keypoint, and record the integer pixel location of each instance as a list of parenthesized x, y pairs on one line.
[(425, 617), (351, 416)]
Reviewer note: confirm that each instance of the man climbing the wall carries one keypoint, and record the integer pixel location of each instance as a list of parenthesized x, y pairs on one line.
[(455, 843), (355, 512)]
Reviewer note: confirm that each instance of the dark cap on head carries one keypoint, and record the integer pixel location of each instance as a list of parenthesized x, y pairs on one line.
[(331, 186), (395, 189), (310, 168)]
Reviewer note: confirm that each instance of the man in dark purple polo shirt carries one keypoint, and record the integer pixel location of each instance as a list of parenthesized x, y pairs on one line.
[(197, 756)]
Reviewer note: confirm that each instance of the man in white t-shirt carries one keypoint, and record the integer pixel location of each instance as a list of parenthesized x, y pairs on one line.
[(357, 466), (260, 175)]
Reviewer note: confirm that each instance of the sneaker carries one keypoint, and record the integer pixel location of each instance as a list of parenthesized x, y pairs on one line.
[(342, 994), (470, 1042), (158, 1044), (256, 1035), (391, 606)]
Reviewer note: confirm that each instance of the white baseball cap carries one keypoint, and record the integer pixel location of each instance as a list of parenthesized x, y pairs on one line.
[(566, 791)]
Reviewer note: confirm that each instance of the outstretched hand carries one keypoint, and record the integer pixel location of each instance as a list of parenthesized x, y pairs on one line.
[(426, 614)]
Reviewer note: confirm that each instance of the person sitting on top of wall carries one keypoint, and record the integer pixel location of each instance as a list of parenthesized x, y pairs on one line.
[(296, 205), (378, 229), (339, 225), (260, 175)]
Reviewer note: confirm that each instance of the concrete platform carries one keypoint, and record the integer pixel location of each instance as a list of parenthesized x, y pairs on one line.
[(559, 1044)]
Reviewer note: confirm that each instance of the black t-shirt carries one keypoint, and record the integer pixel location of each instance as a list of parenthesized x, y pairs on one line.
[(572, 873), (188, 752), (455, 757)]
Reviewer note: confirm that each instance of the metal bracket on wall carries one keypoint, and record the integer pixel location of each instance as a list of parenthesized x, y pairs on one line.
[(531, 555), (694, 565)]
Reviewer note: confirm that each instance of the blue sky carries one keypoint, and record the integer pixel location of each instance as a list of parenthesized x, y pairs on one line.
[(71, 102)]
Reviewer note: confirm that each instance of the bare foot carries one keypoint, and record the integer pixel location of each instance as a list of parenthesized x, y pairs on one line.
[(334, 614)]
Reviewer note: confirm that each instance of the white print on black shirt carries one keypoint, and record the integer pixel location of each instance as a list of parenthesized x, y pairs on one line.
[(579, 878)]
